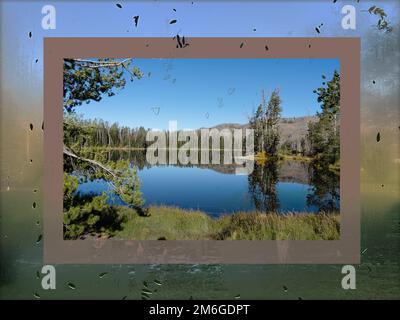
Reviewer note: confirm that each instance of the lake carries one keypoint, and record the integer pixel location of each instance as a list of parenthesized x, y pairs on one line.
[(284, 186)]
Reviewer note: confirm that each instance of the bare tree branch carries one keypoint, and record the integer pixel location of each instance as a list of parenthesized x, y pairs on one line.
[(68, 152)]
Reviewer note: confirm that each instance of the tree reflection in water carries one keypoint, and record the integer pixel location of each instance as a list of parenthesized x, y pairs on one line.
[(262, 186), (323, 194)]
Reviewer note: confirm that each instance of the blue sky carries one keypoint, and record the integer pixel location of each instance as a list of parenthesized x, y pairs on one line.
[(205, 92), (200, 19)]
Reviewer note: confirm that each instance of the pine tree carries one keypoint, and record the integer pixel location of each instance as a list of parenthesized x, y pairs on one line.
[(324, 135), (257, 124), (271, 131)]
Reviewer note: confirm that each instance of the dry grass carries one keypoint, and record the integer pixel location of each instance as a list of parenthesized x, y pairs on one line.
[(177, 224)]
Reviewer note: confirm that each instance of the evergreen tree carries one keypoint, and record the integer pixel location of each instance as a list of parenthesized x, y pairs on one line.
[(271, 131), (303, 147), (90, 80), (85, 81), (257, 124), (324, 135), (265, 125)]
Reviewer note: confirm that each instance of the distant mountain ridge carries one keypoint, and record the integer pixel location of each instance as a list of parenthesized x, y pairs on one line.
[(291, 129)]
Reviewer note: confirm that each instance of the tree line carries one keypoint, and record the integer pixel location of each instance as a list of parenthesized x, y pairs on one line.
[(322, 140), (80, 133)]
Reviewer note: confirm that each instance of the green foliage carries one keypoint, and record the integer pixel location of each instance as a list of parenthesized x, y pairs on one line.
[(82, 215), (77, 132), (303, 148), (324, 192), (264, 122), (262, 185), (271, 133), (127, 185), (324, 135), (80, 219), (82, 133), (257, 123), (91, 214), (90, 80), (70, 186)]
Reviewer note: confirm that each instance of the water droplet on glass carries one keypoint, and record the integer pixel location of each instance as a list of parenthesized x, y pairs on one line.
[(147, 291), (231, 91), (71, 285), (156, 110), (157, 282), (136, 20), (220, 102), (39, 239)]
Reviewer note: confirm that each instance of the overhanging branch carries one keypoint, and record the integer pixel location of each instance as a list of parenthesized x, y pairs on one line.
[(68, 152)]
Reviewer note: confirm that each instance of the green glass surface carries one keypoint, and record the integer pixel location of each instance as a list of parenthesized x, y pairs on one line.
[(21, 166)]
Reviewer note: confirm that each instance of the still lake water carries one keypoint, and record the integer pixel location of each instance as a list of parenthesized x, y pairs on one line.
[(289, 186)]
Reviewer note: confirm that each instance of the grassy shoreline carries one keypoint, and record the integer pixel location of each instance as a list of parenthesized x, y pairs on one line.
[(170, 223)]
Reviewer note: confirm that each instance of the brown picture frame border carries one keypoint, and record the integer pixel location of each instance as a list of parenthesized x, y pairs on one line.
[(346, 250)]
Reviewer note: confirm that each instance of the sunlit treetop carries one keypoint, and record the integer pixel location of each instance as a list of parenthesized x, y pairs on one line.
[(91, 79)]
